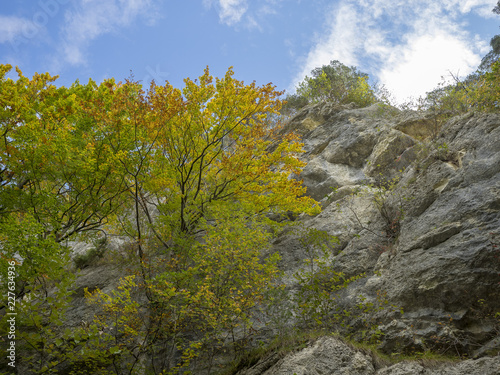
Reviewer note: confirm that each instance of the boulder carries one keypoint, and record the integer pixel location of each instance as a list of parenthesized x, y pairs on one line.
[(329, 355)]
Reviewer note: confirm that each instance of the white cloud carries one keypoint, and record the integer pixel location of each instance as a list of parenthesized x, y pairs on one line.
[(231, 11), (422, 64), (12, 27), (17, 30), (236, 12), (408, 45), (482, 7), (340, 43), (92, 18)]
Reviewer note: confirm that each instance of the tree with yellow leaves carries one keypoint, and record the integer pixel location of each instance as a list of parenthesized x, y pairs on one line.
[(189, 175), (203, 162)]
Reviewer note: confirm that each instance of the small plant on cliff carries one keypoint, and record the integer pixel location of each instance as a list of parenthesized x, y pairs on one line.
[(388, 197), (312, 305), (315, 303)]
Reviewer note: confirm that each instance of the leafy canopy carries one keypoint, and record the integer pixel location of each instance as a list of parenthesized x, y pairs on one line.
[(336, 83), (190, 175)]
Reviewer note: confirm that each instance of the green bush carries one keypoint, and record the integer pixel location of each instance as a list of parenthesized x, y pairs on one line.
[(336, 83)]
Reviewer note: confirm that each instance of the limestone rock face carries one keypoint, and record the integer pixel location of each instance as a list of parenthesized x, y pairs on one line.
[(446, 262), (337, 149), (431, 236)]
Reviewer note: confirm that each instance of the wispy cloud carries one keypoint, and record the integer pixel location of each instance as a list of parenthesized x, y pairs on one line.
[(340, 42), (90, 19), (230, 11), (243, 12), (406, 44), (12, 27)]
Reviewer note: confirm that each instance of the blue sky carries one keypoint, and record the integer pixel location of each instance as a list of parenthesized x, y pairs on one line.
[(408, 45)]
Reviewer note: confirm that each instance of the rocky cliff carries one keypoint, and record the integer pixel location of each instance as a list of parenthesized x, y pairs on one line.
[(415, 203)]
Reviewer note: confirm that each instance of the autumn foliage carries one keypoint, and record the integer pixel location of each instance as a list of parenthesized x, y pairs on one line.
[(189, 176)]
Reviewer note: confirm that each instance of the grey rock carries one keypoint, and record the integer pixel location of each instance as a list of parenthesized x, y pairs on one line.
[(434, 237), (418, 126), (403, 368), (443, 260), (483, 366), (338, 145), (385, 159), (327, 355)]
